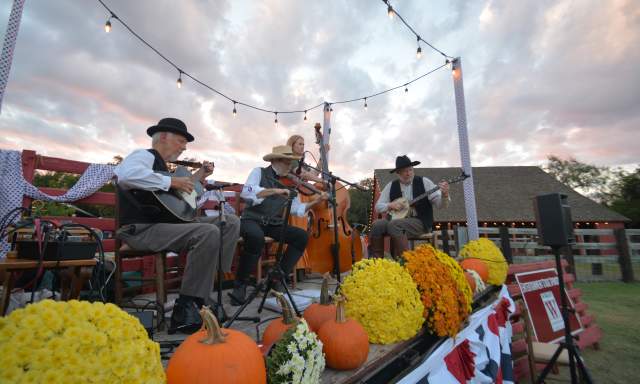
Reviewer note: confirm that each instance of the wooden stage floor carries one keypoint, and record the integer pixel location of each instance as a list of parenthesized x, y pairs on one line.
[(378, 354)]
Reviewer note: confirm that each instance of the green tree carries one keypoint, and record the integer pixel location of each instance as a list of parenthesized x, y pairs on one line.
[(625, 197), (360, 202), (591, 180)]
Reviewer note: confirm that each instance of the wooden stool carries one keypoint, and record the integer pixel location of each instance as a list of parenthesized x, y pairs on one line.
[(9, 266), (425, 237)]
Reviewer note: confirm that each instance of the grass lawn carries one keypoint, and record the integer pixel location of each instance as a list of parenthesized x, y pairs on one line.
[(616, 307)]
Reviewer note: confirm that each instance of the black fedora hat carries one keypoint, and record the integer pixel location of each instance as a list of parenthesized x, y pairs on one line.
[(403, 162), (173, 125)]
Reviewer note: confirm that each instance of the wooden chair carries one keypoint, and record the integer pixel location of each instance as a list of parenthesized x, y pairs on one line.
[(158, 280)]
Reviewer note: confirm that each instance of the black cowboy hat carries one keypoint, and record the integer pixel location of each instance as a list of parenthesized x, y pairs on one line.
[(403, 162), (173, 125)]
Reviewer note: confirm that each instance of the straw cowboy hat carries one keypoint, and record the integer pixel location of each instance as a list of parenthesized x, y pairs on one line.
[(281, 152)]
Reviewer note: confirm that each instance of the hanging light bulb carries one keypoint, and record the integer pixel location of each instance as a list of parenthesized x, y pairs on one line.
[(234, 109), (449, 64), (406, 89), (305, 115), (419, 50), (276, 120), (365, 103), (107, 26), (390, 11), (179, 81)]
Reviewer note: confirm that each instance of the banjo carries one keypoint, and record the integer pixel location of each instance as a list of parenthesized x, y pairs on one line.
[(407, 205)]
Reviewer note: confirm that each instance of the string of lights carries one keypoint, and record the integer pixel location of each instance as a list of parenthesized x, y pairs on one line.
[(393, 12), (236, 102)]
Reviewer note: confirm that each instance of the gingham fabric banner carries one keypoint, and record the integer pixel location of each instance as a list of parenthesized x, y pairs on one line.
[(13, 186), (480, 353), (9, 44)]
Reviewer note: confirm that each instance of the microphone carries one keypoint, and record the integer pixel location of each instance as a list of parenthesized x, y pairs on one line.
[(300, 162)]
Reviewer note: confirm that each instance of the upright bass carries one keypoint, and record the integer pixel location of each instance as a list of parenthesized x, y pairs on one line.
[(322, 237)]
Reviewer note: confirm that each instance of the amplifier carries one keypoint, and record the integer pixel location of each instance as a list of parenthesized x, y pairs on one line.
[(61, 244)]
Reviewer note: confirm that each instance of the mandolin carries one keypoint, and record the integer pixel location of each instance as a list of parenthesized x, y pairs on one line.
[(406, 205)]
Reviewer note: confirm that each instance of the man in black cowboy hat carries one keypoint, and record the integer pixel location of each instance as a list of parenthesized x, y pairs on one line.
[(266, 200), (419, 219), (142, 228)]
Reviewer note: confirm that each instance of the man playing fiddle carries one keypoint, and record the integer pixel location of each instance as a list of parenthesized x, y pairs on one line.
[(266, 201), (420, 219), (143, 228)]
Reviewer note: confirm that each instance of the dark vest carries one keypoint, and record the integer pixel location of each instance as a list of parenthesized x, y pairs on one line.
[(423, 208), (271, 209), (139, 206)]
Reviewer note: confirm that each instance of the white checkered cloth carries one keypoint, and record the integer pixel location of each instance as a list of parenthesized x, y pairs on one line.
[(13, 186)]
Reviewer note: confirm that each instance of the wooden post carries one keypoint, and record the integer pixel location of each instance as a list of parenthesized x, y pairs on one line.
[(462, 238), (445, 239), (465, 155), (505, 244), (624, 255)]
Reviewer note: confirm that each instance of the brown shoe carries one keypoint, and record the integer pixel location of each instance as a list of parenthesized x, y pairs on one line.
[(399, 244)]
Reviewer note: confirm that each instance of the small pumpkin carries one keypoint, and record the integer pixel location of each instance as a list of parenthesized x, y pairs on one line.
[(477, 265), (471, 281), (211, 356), (277, 327), (345, 341), (317, 313)]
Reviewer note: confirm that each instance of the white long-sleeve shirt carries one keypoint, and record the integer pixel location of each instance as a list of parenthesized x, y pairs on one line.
[(136, 172), (252, 187), (382, 205)]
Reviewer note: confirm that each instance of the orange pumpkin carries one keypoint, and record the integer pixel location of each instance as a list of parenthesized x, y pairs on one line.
[(478, 266), (345, 342), (317, 313), (211, 356), (277, 327), (471, 281)]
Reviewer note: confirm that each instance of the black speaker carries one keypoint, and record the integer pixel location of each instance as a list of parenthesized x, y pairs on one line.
[(553, 216)]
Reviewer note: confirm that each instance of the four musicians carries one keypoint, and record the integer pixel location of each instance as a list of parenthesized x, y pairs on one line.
[(145, 226)]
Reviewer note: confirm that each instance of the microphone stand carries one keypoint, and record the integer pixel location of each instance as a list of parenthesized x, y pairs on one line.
[(218, 307), (275, 273), (335, 247)]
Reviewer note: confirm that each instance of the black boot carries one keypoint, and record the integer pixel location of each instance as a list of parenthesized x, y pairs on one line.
[(185, 317), (239, 293)]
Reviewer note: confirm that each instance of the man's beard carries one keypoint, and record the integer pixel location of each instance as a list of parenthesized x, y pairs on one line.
[(280, 169)]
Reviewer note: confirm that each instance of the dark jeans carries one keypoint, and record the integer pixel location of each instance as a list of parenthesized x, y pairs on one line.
[(253, 234)]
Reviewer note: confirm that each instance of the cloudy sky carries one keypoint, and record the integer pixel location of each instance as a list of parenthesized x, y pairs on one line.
[(541, 77)]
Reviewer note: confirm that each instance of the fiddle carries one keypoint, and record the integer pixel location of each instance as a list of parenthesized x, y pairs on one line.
[(292, 180)]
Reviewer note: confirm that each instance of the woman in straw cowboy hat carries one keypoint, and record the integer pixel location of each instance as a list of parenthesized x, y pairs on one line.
[(266, 201)]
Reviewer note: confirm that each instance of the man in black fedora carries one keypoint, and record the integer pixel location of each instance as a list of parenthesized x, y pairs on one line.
[(143, 228), (418, 220)]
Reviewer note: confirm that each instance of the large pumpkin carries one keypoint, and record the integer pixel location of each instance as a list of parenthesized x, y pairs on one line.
[(317, 313), (345, 342), (213, 356), (279, 326), (477, 265)]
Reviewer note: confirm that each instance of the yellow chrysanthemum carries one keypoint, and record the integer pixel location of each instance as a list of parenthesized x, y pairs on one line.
[(383, 298), (63, 342), (443, 287), (485, 250)]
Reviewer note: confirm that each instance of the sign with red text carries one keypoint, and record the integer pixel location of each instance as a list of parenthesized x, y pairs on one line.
[(541, 292)]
